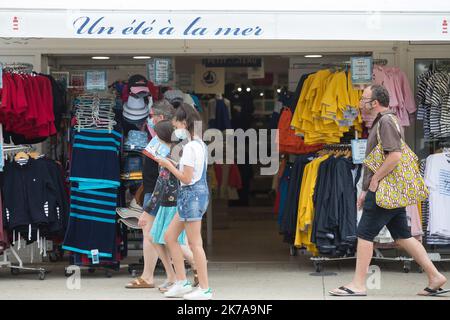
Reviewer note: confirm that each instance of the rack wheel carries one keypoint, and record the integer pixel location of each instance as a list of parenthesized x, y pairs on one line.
[(53, 257), (15, 271), (318, 266), (407, 267), (91, 270), (134, 273), (42, 275), (108, 274), (292, 251)]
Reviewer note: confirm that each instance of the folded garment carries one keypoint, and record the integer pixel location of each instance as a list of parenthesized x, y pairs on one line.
[(136, 140), (134, 206), (133, 163), (131, 223), (126, 213), (132, 176)]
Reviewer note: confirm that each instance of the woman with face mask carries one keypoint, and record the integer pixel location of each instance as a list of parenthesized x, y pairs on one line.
[(163, 205), (192, 203)]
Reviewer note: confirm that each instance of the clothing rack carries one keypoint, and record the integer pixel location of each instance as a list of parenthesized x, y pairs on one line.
[(318, 261), (6, 262), (338, 65), (342, 146)]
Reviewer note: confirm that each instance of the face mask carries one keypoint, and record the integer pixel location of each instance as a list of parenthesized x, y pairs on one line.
[(181, 134), (150, 123)]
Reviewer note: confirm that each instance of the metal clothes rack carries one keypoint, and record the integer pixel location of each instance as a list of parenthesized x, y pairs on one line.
[(341, 146), (435, 143), (95, 111), (6, 262), (318, 261)]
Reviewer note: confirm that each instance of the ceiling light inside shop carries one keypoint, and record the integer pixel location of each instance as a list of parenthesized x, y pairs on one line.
[(279, 90), (262, 94), (100, 58), (248, 89), (142, 57), (313, 56), (239, 89)]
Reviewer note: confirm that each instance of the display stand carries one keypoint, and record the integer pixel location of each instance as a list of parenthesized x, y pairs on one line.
[(6, 262)]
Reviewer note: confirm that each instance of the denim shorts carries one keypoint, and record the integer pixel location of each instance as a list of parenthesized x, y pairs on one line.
[(147, 198), (374, 218), (192, 202)]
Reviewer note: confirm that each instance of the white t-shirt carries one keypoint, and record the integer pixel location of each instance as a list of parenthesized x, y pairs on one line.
[(194, 156), (437, 178)]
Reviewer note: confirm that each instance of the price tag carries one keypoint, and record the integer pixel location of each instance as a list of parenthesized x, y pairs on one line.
[(359, 150), (95, 256)]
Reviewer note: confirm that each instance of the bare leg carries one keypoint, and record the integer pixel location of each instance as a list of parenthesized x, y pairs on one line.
[(364, 255), (188, 255), (165, 259), (193, 231), (150, 254), (417, 251), (171, 238)]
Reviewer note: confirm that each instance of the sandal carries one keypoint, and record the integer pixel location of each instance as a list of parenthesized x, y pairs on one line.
[(196, 282), (139, 283), (165, 286), (433, 292), (347, 293)]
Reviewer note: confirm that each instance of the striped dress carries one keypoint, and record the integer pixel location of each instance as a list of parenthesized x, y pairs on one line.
[(95, 179)]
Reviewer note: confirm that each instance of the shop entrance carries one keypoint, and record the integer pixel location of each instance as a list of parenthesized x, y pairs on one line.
[(242, 223)]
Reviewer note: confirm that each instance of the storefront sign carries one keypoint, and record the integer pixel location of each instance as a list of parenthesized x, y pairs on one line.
[(209, 80), (160, 71), (232, 62), (361, 69), (268, 25), (359, 150), (96, 81)]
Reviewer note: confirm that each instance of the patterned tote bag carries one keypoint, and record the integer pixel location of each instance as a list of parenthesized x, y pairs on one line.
[(404, 185)]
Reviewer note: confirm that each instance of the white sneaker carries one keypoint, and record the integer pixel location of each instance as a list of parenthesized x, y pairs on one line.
[(166, 286), (179, 289), (199, 294)]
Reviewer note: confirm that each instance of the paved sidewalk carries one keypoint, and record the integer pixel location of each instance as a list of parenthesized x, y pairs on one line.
[(252, 280)]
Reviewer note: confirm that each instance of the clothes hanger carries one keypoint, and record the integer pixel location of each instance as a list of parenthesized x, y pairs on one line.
[(34, 155)]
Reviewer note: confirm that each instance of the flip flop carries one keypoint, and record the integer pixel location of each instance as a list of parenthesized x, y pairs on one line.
[(347, 293), (139, 283), (434, 292)]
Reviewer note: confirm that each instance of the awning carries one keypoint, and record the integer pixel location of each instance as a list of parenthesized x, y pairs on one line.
[(351, 20)]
